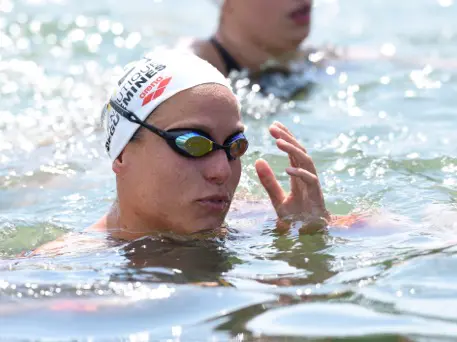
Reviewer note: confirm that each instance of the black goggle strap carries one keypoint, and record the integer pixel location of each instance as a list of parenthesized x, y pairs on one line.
[(133, 118)]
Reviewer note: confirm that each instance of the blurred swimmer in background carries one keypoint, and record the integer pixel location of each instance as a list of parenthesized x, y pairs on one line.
[(267, 38)]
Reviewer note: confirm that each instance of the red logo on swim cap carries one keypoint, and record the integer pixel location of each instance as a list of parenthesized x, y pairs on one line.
[(160, 90)]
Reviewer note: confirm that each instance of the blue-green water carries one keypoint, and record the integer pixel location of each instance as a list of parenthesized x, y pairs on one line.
[(382, 134)]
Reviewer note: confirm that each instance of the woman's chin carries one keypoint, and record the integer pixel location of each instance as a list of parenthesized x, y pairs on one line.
[(207, 225)]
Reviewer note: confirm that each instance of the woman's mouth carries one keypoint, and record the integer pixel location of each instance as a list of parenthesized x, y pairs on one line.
[(218, 203), (301, 16)]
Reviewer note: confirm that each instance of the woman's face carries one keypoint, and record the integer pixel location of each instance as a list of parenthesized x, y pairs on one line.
[(278, 24), (164, 190)]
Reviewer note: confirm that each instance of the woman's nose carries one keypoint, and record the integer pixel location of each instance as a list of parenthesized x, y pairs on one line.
[(217, 167)]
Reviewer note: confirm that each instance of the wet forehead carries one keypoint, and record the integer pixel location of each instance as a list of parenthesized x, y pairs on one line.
[(212, 108)]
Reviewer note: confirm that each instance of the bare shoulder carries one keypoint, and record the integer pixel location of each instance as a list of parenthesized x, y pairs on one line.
[(99, 226), (94, 236), (71, 243), (253, 213)]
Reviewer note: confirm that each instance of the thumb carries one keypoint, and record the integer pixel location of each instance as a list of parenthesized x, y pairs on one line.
[(270, 183)]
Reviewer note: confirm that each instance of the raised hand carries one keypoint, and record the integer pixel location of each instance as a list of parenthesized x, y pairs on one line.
[(305, 201)]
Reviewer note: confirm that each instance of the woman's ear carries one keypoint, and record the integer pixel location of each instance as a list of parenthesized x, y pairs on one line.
[(118, 164)]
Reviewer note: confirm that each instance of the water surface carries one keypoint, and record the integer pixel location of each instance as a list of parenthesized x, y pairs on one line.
[(382, 134)]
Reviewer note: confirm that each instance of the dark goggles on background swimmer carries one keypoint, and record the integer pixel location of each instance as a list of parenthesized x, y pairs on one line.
[(190, 142)]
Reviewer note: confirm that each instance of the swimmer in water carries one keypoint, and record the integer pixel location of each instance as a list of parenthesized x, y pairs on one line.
[(259, 39), (175, 139), (252, 33), (266, 38)]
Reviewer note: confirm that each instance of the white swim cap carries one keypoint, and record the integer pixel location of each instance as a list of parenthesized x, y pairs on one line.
[(146, 84)]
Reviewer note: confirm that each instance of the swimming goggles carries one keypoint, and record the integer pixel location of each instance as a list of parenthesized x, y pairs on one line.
[(192, 143)]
